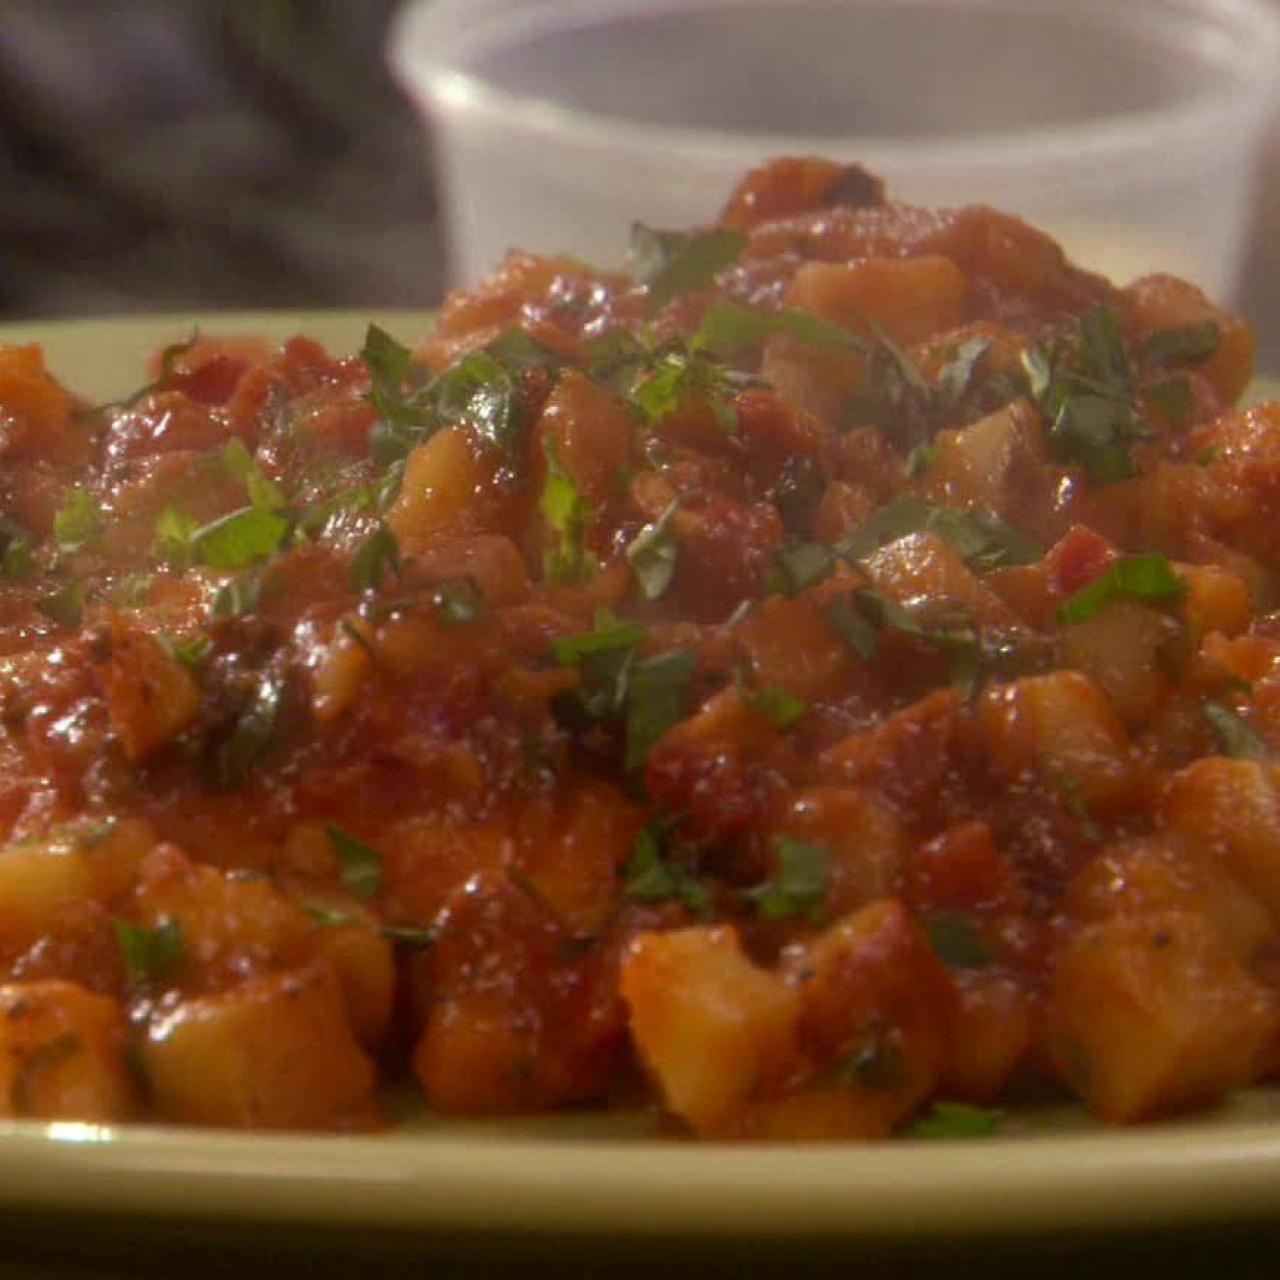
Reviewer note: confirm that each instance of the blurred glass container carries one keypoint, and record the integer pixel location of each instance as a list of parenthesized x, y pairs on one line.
[(1130, 129)]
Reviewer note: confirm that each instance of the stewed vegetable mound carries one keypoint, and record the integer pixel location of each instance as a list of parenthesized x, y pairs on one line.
[(808, 685)]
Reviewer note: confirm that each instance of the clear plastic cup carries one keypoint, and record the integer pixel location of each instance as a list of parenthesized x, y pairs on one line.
[(1130, 129)]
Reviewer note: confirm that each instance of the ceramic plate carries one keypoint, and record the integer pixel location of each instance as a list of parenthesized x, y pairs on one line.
[(615, 1174)]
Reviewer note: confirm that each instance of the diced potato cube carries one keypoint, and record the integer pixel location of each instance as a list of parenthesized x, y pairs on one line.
[(867, 842), (151, 697), (63, 1054), (1119, 648), (1144, 877), (446, 489), (908, 298), (922, 567), (993, 1034), (276, 1052), (1062, 727), (1227, 810), (1164, 302), (1150, 1014), (990, 463), (712, 1028)]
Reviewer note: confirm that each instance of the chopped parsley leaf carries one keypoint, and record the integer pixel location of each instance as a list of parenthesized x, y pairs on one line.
[(66, 604), (652, 554), (1185, 344), (1235, 736), (241, 595), (672, 263), (173, 533), (238, 753), (240, 464), (728, 327), (378, 552), (16, 562), (798, 566), (1140, 577), (361, 865), (800, 885), (958, 942), (239, 538), (653, 876), (149, 954), (956, 1120), (609, 633), (1172, 397), (981, 538), (459, 601), (657, 698), (1084, 387), (569, 515), (78, 522), (853, 628), (774, 703), (168, 359)]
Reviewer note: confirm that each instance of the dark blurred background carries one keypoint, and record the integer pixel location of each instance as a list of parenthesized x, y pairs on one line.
[(199, 154), (187, 154)]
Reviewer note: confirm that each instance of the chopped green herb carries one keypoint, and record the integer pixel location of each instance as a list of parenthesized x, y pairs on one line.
[(390, 368), (240, 464), (569, 515), (415, 936), (16, 562), (958, 942), (1084, 386), (875, 1066), (652, 554), (66, 604), (956, 1120), (1078, 807), (168, 359), (378, 552), (652, 877), (241, 595), (1208, 456), (609, 633), (1235, 736), (957, 376), (459, 601), (149, 954), (327, 917), (854, 629), (78, 522), (981, 538), (775, 703), (250, 738), (1187, 344), (133, 591), (798, 566), (728, 327), (920, 459), (800, 885), (193, 652), (657, 698), (671, 263), (479, 392), (1172, 396), (361, 865), (1140, 577), (239, 538), (173, 533)]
